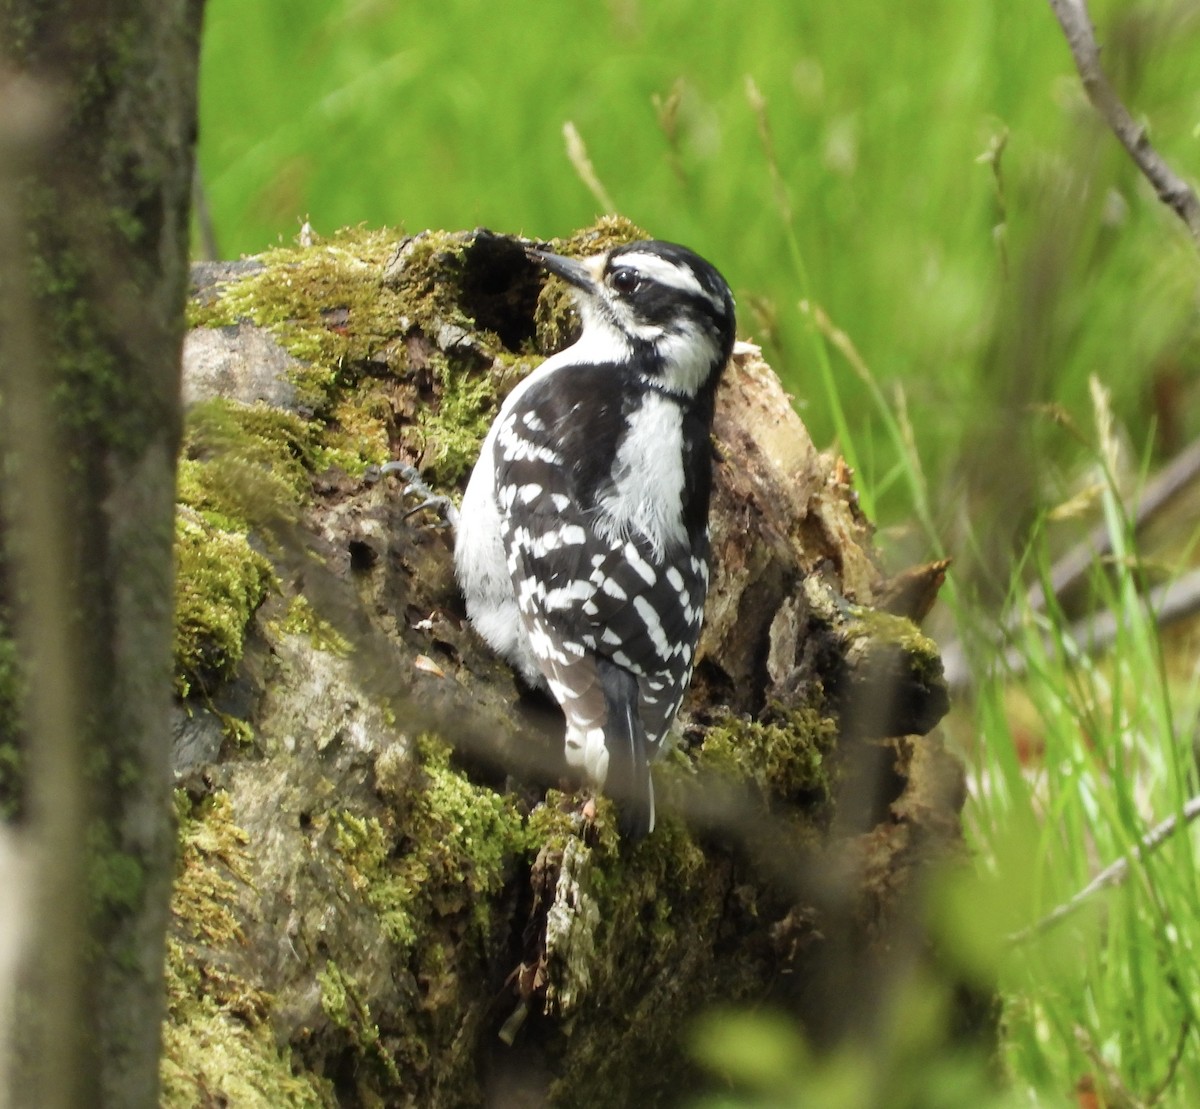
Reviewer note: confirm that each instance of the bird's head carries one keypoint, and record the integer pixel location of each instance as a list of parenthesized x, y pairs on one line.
[(656, 306)]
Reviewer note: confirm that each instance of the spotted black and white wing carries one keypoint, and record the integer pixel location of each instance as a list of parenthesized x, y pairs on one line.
[(612, 617)]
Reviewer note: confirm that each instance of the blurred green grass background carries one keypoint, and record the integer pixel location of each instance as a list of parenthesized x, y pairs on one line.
[(979, 294), (935, 183)]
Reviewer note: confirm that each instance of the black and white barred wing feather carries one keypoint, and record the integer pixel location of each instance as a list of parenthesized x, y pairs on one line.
[(611, 615)]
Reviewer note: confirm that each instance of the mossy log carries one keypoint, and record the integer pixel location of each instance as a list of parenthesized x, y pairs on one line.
[(388, 892)]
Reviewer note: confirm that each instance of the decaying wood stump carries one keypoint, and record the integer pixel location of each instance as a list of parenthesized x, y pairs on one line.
[(388, 892)]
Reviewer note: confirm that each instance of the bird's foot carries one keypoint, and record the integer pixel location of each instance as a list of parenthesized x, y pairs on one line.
[(443, 505)]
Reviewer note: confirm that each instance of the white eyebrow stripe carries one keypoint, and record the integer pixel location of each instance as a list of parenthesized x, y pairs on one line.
[(666, 273)]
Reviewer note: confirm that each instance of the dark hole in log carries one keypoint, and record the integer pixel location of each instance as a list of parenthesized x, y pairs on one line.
[(500, 288), (362, 556)]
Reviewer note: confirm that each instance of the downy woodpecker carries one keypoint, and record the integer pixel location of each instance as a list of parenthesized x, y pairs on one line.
[(582, 544)]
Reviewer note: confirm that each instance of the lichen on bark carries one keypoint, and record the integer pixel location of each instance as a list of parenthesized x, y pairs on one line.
[(430, 924)]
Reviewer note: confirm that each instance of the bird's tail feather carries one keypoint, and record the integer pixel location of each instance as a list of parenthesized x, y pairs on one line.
[(628, 781)]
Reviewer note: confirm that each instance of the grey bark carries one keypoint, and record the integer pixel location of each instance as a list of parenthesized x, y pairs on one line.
[(93, 278)]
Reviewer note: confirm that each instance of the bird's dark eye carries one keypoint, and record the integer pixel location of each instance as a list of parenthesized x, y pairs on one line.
[(624, 281)]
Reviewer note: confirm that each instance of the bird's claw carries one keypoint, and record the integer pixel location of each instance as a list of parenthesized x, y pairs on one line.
[(441, 504)]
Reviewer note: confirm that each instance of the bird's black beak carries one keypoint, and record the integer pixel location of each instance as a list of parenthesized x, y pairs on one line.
[(571, 271)]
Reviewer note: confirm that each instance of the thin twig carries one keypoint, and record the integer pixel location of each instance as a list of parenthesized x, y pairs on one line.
[(1116, 1094), (578, 156), (1115, 873), (1168, 1079), (1172, 190), (758, 105), (1169, 603), (1178, 476)]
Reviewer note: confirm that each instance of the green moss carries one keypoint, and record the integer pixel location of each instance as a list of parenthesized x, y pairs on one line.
[(609, 897), (218, 1043), (450, 848), (245, 465), (452, 433), (239, 732), (606, 233), (358, 312), (426, 276), (214, 1056), (473, 835), (271, 437), (670, 858), (244, 468), (366, 849), (879, 631), (784, 755), (432, 865), (117, 881), (552, 823), (673, 901), (330, 306), (664, 900), (344, 1005), (212, 851), (449, 426), (325, 304), (356, 435), (302, 619), (220, 580)]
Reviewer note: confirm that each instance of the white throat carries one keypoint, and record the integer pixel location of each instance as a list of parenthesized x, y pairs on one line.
[(647, 494)]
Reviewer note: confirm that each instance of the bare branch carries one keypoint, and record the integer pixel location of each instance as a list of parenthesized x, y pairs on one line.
[(1167, 604), (1172, 190), (1115, 873), (1171, 602), (1177, 477)]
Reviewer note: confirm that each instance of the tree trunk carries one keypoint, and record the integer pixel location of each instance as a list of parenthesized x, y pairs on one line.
[(98, 107)]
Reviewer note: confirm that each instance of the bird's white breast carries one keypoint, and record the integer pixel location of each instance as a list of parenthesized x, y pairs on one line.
[(646, 497)]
